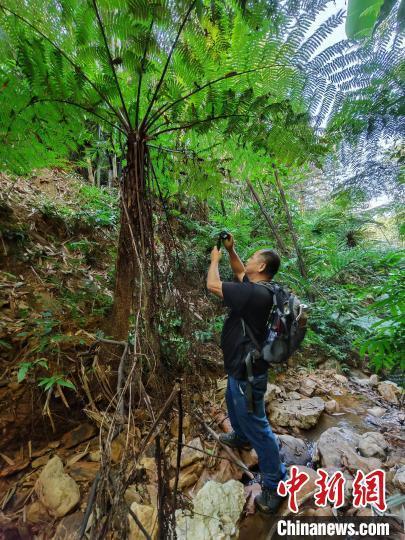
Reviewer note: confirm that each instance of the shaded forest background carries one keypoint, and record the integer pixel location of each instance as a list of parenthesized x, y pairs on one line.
[(133, 133)]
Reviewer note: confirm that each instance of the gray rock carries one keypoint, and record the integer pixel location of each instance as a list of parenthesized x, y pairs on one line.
[(273, 391), (331, 406), (341, 378), (301, 413), (372, 444), (335, 448), (293, 451), (361, 382), (293, 395), (69, 527), (399, 479), (373, 379), (56, 490), (377, 411), (307, 387)]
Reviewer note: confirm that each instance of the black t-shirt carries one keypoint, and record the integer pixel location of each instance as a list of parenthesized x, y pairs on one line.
[(252, 302)]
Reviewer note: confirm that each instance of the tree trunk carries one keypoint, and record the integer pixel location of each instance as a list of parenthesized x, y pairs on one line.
[(135, 265), (280, 244), (114, 180), (301, 263), (90, 171), (98, 172)]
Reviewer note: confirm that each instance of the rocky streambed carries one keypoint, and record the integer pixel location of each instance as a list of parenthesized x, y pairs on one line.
[(322, 419)]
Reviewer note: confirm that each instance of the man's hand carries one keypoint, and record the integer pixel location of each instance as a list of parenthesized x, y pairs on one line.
[(214, 283), (216, 254), (229, 243)]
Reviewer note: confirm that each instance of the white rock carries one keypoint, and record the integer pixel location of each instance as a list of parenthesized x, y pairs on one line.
[(373, 379), (302, 413), (217, 510), (57, 491), (399, 479), (372, 444)]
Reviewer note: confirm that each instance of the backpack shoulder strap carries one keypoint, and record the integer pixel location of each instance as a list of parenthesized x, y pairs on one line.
[(250, 334)]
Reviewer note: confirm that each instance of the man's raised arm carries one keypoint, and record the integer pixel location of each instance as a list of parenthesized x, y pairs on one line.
[(236, 264)]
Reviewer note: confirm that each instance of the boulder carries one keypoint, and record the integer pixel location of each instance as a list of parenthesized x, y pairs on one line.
[(249, 457), (377, 411), (37, 513), (57, 491), (189, 455), (389, 391), (373, 379), (341, 378), (132, 494), (69, 527), (147, 515), (174, 426), (301, 413), (273, 391), (372, 444), (399, 479), (95, 456), (331, 406), (188, 476), (335, 448), (304, 492), (118, 446), (361, 382), (307, 387), (293, 395), (293, 451), (83, 471), (78, 435), (217, 510)]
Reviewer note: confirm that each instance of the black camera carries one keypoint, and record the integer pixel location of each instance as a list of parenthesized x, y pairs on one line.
[(223, 235)]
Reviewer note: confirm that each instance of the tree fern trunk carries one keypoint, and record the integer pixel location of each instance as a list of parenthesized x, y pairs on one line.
[(135, 265), (301, 263)]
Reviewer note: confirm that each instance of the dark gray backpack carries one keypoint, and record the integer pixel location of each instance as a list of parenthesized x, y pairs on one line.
[(286, 325)]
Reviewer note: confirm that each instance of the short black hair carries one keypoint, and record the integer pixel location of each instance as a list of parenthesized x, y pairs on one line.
[(272, 260)]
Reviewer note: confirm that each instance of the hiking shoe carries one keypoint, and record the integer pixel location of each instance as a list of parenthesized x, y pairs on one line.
[(233, 441), (268, 500)]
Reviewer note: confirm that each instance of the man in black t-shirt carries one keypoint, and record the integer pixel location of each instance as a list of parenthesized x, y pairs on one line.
[(252, 302)]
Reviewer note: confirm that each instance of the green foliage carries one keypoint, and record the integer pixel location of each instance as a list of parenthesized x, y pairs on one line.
[(48, 383), (384, 343), (25, 367), (361, 17), (364, 15), (174, 346), (211, 331)]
